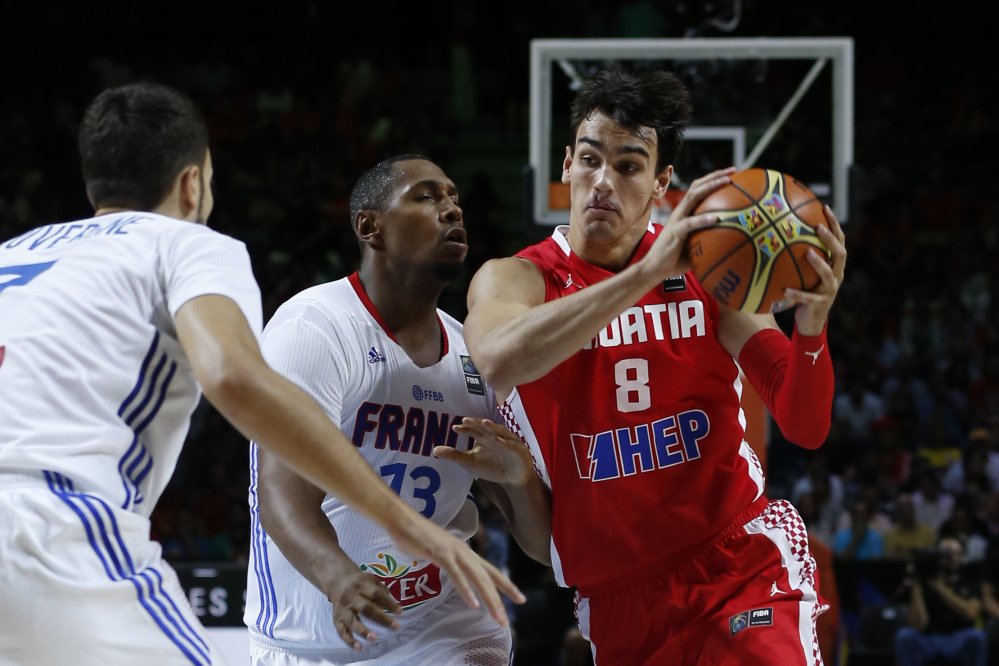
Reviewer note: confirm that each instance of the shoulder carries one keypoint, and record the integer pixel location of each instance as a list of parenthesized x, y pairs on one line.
[(326, 307), (512, 279)]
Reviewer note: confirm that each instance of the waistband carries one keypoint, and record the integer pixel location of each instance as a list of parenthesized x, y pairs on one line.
[(666, 565)]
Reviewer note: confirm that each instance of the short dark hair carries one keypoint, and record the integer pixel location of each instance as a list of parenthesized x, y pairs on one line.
[(135, 140), (650, 98), (374, 187)]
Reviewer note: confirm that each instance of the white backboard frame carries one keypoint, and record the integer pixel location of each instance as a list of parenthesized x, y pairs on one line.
[(837, 50)]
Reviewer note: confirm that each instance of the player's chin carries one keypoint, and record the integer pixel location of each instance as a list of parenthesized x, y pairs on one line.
[(447, 270)]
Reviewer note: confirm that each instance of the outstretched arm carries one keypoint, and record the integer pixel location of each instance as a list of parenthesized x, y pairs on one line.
[(503, 467), (794, 378), (279, 416), (291, 513), (515, 337)]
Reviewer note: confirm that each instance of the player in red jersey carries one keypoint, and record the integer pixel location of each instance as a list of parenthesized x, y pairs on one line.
[(619, 371)]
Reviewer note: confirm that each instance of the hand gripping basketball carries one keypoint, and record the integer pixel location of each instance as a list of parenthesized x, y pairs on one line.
[(814, 306), (667, 253)]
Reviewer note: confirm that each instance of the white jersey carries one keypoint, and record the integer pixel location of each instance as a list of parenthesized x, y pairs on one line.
[(94, 385), (332, 342)]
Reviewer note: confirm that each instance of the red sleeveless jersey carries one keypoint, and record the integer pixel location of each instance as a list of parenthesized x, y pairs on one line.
[(640, 434)]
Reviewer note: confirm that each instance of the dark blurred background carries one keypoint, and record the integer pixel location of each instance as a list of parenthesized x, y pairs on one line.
[(302, 97)]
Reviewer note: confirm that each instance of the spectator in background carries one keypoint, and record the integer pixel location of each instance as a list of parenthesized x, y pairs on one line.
[(933, 506), (907, 534), (859, 408), (943, 609), (978, 465), (966, 527), (859, 541)]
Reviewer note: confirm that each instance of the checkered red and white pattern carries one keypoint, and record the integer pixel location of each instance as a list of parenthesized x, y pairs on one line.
[(782, 524)]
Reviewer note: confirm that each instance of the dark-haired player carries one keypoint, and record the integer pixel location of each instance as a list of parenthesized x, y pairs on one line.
[(109, 329), (619, 372), (392, 371)]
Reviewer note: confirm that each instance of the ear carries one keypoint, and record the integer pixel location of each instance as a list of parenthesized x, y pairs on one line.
[(566, 163), (662, 182), (367, 229), (189, 191)]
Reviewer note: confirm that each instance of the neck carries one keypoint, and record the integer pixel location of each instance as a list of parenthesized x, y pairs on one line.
[(406, 300), (612, 253)]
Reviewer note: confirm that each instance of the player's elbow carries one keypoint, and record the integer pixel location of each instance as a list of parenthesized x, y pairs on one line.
[(807, 438), (496, 369), (229, 381)]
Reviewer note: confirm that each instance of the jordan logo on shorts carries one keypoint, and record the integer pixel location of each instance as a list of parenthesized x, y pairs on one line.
[(776, 590)]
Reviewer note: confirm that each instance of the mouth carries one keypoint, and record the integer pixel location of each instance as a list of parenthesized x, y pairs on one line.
[(456, 235), (602, 206)]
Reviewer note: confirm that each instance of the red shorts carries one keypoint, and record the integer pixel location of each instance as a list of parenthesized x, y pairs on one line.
[(746, 597)]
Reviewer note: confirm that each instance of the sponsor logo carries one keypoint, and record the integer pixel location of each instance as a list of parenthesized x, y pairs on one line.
[(671, 441), (426, 394), (726, 286), (678, 283), (375, 356), (409, 586), (473, 379), (570, 283), (760, 617), (815, 354), (776, 590)]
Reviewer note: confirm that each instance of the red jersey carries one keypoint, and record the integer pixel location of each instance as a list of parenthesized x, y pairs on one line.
[(639, 435)]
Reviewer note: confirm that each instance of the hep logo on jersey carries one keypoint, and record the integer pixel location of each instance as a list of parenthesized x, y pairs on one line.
[(645, 448)]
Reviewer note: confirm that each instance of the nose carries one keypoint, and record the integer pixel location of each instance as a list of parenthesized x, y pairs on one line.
[(451, 213), (602, 183)]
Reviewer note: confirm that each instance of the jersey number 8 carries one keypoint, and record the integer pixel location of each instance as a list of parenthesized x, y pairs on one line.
[(632, 377)]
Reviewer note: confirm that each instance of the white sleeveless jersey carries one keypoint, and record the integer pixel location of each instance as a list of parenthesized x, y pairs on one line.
[(94, 385), (331, 341)]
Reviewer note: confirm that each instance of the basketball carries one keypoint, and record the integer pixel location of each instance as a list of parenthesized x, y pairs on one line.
[(767, 221)]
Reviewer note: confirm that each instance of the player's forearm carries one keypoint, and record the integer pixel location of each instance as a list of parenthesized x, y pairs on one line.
[(291, 513), (531, 344), (528, 509), (279, 416), (795, 380)]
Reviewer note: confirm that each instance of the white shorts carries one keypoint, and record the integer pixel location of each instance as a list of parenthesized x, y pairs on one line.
[(450, 635), (82, 583)]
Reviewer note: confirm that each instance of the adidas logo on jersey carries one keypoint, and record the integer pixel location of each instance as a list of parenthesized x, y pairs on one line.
[(374, 356)]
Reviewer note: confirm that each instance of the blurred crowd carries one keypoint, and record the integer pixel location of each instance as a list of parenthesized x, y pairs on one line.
[(913, 455)]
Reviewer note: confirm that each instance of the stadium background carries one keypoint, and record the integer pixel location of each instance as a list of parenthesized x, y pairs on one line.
[(301, 98)]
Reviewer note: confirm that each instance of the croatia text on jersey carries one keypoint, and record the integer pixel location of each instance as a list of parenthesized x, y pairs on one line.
[(645, 448), (635, 325), (414, 431)]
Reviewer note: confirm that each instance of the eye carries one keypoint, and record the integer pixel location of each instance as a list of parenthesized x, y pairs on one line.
[(588, 159), (629, 167), (425, 197)]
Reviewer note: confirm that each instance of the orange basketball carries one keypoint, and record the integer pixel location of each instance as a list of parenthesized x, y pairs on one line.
[(767, 221)]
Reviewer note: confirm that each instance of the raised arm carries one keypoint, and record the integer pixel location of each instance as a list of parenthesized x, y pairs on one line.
[(291, 513), (793, 377), (270, 410), (515, 337)]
